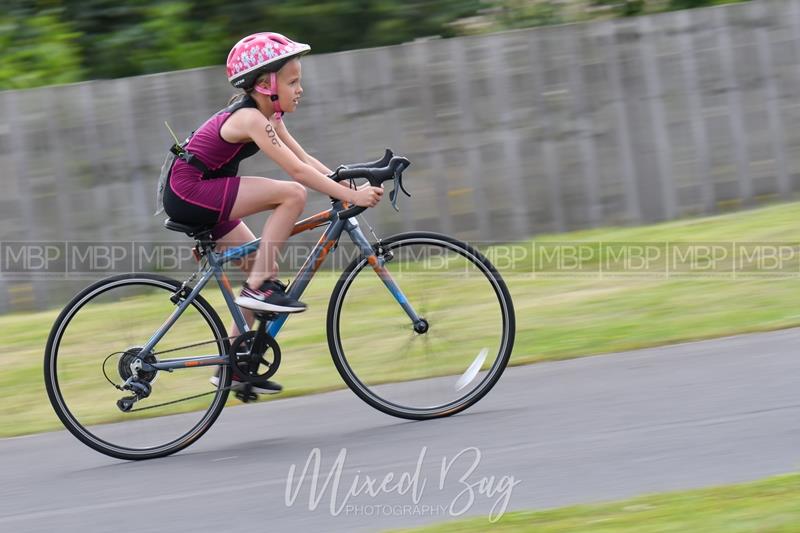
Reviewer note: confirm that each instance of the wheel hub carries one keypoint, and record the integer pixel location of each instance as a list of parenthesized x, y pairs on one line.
[(421, 326), (129, 358)]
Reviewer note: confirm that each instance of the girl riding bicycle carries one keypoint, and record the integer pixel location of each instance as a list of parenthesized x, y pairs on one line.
[(205, 188), (419, 325)]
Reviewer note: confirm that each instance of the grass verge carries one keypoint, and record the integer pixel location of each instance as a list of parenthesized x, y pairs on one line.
[(765, 506), (572, 314)]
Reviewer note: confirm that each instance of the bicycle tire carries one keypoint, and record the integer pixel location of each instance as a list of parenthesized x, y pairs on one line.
[(365, 391), (60, 405)]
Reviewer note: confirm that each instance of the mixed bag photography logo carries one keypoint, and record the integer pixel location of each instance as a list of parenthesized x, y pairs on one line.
[(449, 486)]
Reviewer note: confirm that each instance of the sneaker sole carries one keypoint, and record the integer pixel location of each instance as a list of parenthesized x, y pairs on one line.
[(255, 305), (238, 385)]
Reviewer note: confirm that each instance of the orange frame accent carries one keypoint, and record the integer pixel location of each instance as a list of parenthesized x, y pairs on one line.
[(226, 282), (323, 253), (314, 221)]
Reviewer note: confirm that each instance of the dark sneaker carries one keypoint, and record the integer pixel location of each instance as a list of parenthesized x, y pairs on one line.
[(259, 387), (270, 296)]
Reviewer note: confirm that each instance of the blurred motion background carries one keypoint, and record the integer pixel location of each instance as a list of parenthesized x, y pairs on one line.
[(523, 119), (517, 121)]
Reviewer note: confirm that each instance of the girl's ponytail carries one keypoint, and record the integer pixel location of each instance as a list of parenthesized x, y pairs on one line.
[(237, 96)]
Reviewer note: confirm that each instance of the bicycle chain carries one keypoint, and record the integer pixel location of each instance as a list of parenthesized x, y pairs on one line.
[(179, 400), (195, 345)]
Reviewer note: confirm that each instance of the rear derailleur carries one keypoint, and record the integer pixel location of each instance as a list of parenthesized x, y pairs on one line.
[(140, 389), (254, 356), (131, 368)]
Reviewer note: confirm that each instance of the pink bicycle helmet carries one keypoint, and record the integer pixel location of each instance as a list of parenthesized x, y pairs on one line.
[(251, 57)]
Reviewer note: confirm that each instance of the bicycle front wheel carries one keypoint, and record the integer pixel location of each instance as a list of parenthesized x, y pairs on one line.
[(91, 347), (429, 372)]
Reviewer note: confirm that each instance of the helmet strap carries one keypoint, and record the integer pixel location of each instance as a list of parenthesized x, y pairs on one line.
[(272, 92)]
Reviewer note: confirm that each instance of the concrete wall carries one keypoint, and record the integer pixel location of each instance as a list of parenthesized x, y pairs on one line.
[(510, 135)]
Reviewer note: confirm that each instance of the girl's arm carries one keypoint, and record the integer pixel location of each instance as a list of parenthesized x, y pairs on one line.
[(301, 154), (258, 128), (295, 147)]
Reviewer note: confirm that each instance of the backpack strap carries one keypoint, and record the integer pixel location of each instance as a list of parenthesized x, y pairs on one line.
[(186, 155), (181, 152)]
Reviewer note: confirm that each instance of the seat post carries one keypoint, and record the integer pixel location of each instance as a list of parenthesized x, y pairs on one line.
[(203, 246)]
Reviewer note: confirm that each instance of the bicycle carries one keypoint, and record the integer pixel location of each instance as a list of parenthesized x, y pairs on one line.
[(430, 346)]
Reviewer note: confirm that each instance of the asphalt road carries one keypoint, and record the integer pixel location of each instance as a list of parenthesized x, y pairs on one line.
[(551, 434)]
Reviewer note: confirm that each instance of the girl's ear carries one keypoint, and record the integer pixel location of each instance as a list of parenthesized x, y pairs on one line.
[(262, 86)]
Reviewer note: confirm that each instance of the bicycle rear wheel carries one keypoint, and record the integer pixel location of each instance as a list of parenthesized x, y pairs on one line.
[(95, 339), (422, 374)]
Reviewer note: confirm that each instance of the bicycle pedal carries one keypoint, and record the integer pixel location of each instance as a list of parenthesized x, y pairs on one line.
[(266, 316), (246, 396)]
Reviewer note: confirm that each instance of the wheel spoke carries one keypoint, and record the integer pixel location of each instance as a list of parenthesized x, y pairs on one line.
[(409, 342), (451, 288), (90, 329), (472, 370)]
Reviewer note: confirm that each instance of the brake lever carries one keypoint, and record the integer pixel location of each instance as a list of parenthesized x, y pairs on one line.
[(402, 188), (398, 182)]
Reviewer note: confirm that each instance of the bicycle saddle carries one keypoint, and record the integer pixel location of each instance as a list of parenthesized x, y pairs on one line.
[(200, 232)]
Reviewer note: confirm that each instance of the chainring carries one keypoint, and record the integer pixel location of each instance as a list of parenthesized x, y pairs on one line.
[(246, 364), (131, 355)]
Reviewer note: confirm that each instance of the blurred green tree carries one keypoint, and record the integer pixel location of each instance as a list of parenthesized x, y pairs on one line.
[(145, 36), (348, 24), (625, 8), (688, 4), (37, 46), (513, 14), (58, 41)]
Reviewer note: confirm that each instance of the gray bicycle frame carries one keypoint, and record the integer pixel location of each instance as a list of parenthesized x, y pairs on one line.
[(216, 260)]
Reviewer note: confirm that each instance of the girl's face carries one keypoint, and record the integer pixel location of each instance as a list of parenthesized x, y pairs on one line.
[(289, 89)]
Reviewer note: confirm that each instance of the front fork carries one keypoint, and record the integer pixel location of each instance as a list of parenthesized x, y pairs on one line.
[(377, 263)]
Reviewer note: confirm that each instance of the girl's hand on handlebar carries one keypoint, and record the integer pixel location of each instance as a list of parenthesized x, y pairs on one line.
[(368, 196)]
